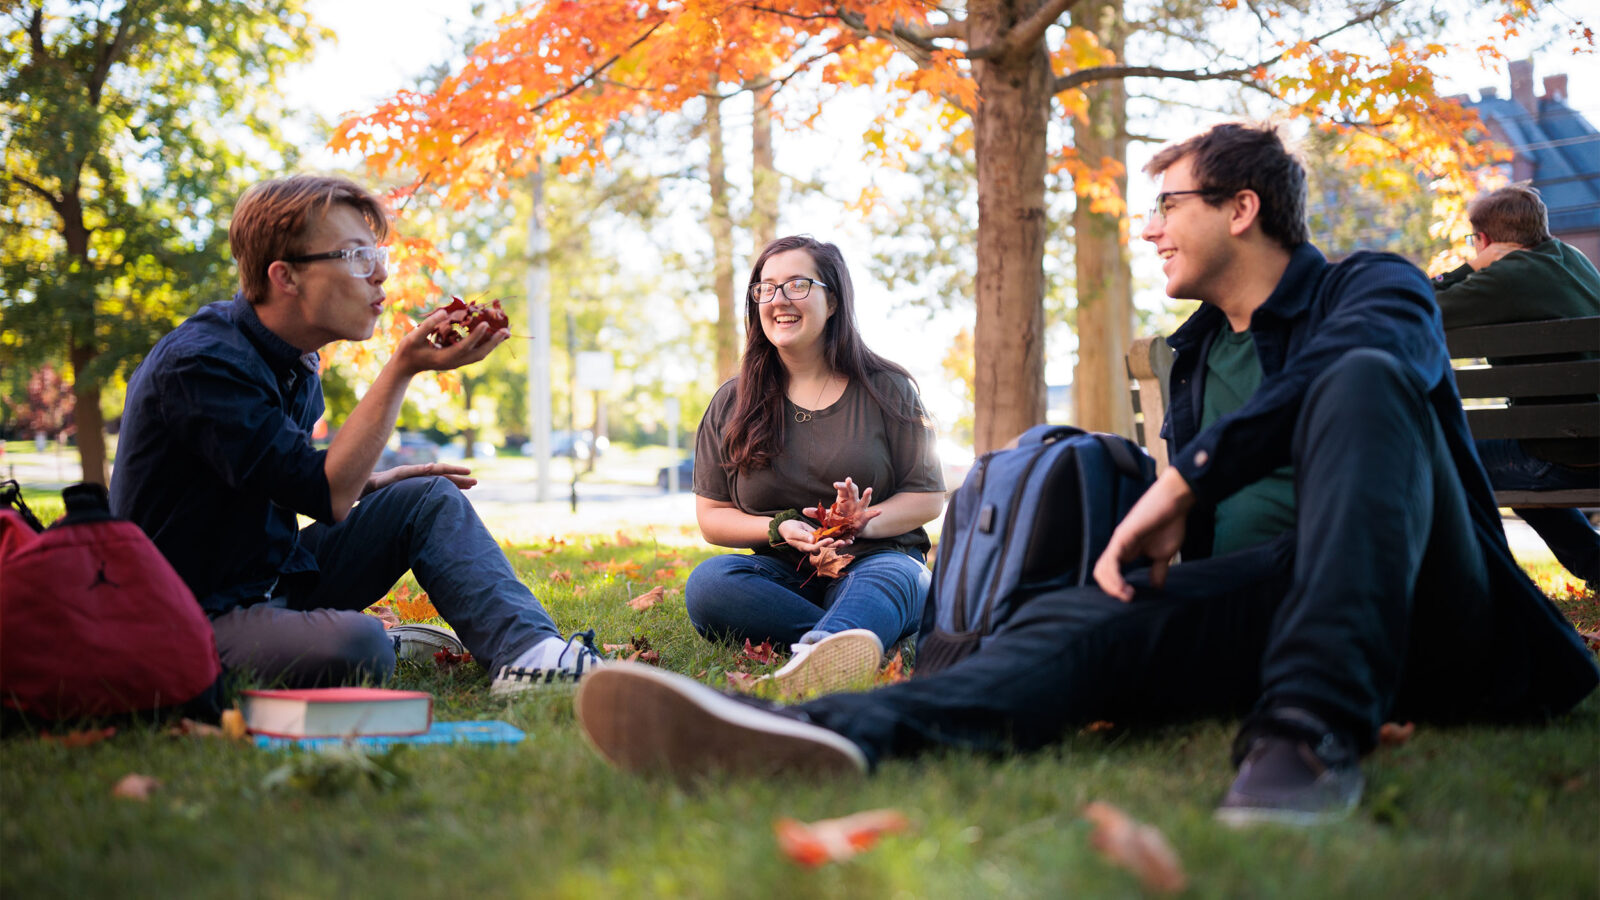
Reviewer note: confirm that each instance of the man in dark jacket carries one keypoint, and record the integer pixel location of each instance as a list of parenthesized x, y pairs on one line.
[(1343, 563), (1519, 273), (215, 462)]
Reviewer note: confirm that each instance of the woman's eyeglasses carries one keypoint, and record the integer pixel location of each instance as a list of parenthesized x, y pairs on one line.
[(793, 289)]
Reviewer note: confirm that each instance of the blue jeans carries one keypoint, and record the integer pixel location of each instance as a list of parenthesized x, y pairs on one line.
[(752, 596), (1575, 544), (316, 634), (1384, 578)]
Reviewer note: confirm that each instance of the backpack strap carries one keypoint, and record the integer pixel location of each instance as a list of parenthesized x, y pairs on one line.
[(1121, 456), (1044, 434), (11, 497)]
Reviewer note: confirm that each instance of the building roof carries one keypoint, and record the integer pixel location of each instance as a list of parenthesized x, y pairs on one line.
[(1554, 147)]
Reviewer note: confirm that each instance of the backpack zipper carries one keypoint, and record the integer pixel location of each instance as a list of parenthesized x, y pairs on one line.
[(1011, 530)]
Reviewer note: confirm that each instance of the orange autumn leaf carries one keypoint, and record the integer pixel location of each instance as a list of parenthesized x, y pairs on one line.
[(648, 599), (81, 738), (741, 681), (1098, 726), (830, 563), (561, 576), (895, 672), (1141, 849), (834, 840), (624, 541), (416, 608), (136, 787), (836, 524), (665, 573), (1393, 734), (233, 727)]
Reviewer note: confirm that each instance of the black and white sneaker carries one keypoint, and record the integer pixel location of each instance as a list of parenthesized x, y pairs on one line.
[(645, 720), (419, 643), (577, 659), (1294, 771)]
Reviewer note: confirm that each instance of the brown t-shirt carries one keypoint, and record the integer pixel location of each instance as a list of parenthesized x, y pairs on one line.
[(853, 437)]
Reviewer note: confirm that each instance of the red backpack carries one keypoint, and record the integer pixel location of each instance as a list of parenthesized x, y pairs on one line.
[(93, 619)]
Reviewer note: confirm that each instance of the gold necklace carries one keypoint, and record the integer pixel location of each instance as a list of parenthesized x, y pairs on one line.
[(804, 415)]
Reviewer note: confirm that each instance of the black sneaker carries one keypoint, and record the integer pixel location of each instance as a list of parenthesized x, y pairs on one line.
[(645, 720), (1299, 773)]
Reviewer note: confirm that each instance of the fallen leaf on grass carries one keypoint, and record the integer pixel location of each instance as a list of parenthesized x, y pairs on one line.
[(665, 573), (624, 541), (233, 727), (741, 681), (1098, 725), (537, 552), (449, 662), (836, 840), (762, 653), (895, 672), (193, 728), (636, 650), (1393, 734), (648, 599), (412, 606), (80, 738), (136, 787), (385, 614), (560, 575), (1135, 846), (1591, 639)]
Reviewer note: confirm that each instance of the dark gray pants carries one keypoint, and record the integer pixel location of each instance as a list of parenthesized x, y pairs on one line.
[(316, 634)]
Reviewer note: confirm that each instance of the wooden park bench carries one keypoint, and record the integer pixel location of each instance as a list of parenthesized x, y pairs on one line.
[(1526, 371)]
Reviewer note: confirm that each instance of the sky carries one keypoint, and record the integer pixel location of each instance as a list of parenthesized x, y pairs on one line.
[(383, 45)]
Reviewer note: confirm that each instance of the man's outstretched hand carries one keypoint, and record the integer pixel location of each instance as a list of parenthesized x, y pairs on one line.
[(1153, 528), (460, 476), (415, 353)]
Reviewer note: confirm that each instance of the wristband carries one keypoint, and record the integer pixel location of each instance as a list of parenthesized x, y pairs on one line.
[(779, 519)]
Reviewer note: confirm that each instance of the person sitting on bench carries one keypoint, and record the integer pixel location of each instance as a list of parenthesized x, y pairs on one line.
[(1374, 583), (1522, 274)]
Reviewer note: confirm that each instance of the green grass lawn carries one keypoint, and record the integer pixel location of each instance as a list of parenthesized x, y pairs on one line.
[(1490, 812)]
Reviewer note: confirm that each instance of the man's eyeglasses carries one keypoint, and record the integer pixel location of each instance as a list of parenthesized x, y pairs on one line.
[(1164, 204), (363, 261), (794, 289)]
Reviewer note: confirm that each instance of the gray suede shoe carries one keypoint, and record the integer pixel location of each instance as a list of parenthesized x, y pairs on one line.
[(1292, 779)]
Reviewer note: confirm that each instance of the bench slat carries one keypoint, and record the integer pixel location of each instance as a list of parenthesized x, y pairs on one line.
[(1531, 380), (1547, 499), (1525, 338), (1562, 420)]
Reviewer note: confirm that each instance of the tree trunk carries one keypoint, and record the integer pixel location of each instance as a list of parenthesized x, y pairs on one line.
[(727, 333), (1105, 281), (1011, 131), (89, 425), (763, 174)]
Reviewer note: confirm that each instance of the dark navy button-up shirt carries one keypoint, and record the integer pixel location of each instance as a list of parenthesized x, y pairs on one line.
[(214, 459)]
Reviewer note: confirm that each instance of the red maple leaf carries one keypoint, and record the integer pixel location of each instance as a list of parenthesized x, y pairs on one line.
[(462, 317), (762, 654), (836, 523)]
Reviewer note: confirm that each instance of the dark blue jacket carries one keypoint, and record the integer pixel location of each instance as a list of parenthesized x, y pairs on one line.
[(214, 459), (1319, 312)]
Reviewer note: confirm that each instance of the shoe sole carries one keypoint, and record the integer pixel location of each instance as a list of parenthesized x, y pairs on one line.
[(1244, 817), (645, 720), (838, 662), (419, 643)]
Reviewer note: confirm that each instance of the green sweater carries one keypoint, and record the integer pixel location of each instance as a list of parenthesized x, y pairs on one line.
[(1551, 280)]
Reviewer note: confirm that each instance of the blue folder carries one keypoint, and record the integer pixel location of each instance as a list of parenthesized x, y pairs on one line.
[(486, 732)]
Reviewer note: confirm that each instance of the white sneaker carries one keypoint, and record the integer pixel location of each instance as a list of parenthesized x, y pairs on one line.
[(645, 720), (419, 643), (577, 659), (841, 661)]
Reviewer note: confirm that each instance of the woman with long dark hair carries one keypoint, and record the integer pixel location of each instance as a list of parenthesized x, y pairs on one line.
[(813, 418)]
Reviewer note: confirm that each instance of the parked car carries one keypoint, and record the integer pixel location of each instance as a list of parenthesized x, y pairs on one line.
[(579, 446), (685, 474), (408, 448)]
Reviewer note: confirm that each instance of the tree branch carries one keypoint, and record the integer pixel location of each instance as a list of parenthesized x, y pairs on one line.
[(106, 55), (1023, 36), (1108, 73), (55, 202)]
